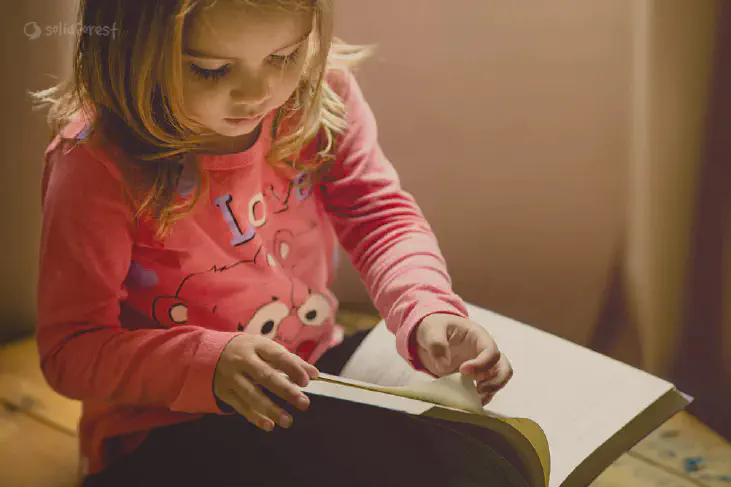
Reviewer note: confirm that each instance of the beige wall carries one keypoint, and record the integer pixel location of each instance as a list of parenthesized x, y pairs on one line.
[(510, 124), (27, 64)]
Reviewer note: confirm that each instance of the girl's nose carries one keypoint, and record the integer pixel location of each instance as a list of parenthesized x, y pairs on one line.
[(252, 90)]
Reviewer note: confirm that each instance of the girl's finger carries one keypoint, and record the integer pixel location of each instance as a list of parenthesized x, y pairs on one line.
[(435, 342), (503, 372), (482, 364), (486, 376), (486, 398), (311, 370), (299, 371), (259, 403), (232, 399), (489, 388), (277, 383)]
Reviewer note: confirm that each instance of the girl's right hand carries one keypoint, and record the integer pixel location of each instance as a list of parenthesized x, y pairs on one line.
[(250, 361)]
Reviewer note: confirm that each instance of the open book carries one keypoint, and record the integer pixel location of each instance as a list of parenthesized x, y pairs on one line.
[(566, 415)]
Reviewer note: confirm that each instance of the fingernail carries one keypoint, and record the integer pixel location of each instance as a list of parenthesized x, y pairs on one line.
[(487, 389), (303, 403), (285, 420), (267, 426)]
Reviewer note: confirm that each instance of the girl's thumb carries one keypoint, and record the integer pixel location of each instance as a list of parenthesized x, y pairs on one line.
[(438, 347)]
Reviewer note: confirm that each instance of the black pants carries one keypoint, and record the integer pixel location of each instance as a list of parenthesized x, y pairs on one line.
[(325, 447)]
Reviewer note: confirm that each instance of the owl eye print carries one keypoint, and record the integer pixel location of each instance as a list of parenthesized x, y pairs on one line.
[(267, 319), (315, 311)]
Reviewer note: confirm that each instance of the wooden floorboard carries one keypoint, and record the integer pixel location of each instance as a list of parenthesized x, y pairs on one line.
[(38, 447), (32, 454)]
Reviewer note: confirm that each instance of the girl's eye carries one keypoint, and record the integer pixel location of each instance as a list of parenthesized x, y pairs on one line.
[(210, 74), (283, 61)]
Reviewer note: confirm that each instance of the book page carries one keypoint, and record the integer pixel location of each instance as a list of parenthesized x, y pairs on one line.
[(579, 398), (339, 389), (455, 457), (452, 391), (377, 362), (507, 440), (521, 441)]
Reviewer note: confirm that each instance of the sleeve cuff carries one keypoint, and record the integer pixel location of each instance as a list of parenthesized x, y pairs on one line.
[(196, 395)]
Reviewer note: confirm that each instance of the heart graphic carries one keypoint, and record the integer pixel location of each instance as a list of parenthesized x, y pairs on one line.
[(186, 182), (138, 276)]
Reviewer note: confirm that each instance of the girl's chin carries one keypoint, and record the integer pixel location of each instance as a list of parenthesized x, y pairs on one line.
[(237, 127), (227, 140), (238, 131)]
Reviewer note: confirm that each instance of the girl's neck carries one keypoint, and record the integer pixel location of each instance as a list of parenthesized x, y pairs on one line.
[(232, 145)]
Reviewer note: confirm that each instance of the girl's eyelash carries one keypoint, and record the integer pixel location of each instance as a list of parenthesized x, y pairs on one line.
[(285, 60), (216, 74), (210, 74)]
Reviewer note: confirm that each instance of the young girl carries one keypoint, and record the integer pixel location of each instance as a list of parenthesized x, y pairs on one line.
[(209, 158)]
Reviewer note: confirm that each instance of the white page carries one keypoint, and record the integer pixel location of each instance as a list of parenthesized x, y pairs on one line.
[(452, 391), (365, 396), (579, 397)]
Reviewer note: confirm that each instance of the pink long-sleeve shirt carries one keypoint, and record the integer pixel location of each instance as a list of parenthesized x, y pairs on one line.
[(133, 325)]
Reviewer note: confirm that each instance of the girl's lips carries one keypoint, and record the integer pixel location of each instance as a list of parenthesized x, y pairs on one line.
[(244, 120)]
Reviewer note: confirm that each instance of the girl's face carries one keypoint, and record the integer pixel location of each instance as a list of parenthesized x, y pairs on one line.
[(241, 64)]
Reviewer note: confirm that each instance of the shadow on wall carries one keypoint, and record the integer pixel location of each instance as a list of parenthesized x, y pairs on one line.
[(704, 367)]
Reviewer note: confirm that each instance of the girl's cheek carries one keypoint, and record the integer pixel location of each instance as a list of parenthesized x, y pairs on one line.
[(197, 94), (199, 112), (191, 100), (289, 82)]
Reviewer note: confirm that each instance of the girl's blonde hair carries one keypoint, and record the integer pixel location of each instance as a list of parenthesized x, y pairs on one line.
[(130, 86)]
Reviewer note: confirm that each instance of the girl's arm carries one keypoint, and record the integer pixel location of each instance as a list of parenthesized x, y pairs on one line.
[(382, 228), (85, 254)]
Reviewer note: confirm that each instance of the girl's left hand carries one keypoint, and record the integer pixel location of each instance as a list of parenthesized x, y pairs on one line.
[(448, 343)]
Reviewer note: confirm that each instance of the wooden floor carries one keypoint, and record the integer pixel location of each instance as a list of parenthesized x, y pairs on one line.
[(38, 445)]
